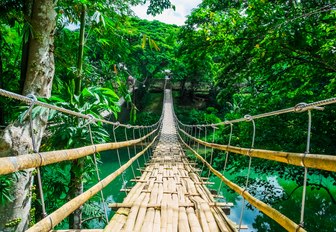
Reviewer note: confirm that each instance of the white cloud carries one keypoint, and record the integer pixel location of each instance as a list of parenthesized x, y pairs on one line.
[(178, 17)]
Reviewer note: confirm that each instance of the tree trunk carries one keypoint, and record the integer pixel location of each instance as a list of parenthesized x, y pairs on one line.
[(75, 189), (77, 168), (16, 138), (183, 88), (2, 116), (80, 51)]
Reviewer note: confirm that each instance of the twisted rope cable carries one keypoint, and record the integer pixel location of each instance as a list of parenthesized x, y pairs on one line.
[(301, 107), (28, 101), (119, 160), (129, 153), (305, 169), (97, 173), (36, 150), (248, 118)]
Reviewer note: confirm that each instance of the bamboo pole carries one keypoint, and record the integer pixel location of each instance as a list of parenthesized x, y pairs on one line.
[(57, 216), (281, 219), (318, 161), (16, 163)]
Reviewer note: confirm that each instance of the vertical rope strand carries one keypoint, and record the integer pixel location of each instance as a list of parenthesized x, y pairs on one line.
[(142, 147), (226, 157), (39, 179), (199, 137), (248, 118), (305, 170), (205, 148), (129, 153), (135, 150), (212, 149), (145, 141), (118, 155), (102, 198)]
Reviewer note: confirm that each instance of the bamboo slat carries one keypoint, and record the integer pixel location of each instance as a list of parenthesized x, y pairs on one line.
[(140, 217), (164, 213), (118, 221), (175, 208), (132, 217), (194, 224), (180, 204)]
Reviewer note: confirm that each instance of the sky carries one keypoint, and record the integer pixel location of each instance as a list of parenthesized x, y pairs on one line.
[(178, 17)]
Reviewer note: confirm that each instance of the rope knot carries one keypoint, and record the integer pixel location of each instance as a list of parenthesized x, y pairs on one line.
[(248, 117), (32, 98), (300, 107), (116, 125), (301, 225), (303, 158), (226, 122)]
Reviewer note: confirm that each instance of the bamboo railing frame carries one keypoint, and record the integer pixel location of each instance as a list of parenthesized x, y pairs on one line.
[(15, 163), (317, 161), (281, 219), (46, 224)]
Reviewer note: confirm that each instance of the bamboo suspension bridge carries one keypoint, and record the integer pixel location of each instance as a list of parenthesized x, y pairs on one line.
[(170, 195)]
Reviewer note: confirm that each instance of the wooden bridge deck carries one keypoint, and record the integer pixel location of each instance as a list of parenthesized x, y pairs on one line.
[(170, 195)]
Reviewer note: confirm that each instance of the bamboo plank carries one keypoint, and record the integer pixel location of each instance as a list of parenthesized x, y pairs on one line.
[(180, 204), (194, 224), (157, 220), (141, 213), (132, 216), (164, 213), (175, 208)]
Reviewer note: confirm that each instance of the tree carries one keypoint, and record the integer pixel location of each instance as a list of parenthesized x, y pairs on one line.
[(16, 138)]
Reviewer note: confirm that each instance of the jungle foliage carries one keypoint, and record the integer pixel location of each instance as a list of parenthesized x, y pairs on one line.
[(257, 56)]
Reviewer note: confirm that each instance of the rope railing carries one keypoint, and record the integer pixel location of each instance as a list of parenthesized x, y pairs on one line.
[(284, 221), (318, 161), (304, 159), (46, 224), (301, 107), (15, 163), (37, 159), (28, 100)]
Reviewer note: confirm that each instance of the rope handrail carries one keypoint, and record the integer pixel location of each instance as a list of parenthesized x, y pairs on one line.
[(29, 100), (61, 213), (281, 219), (301, 107), (15, 163), (318, 161)]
